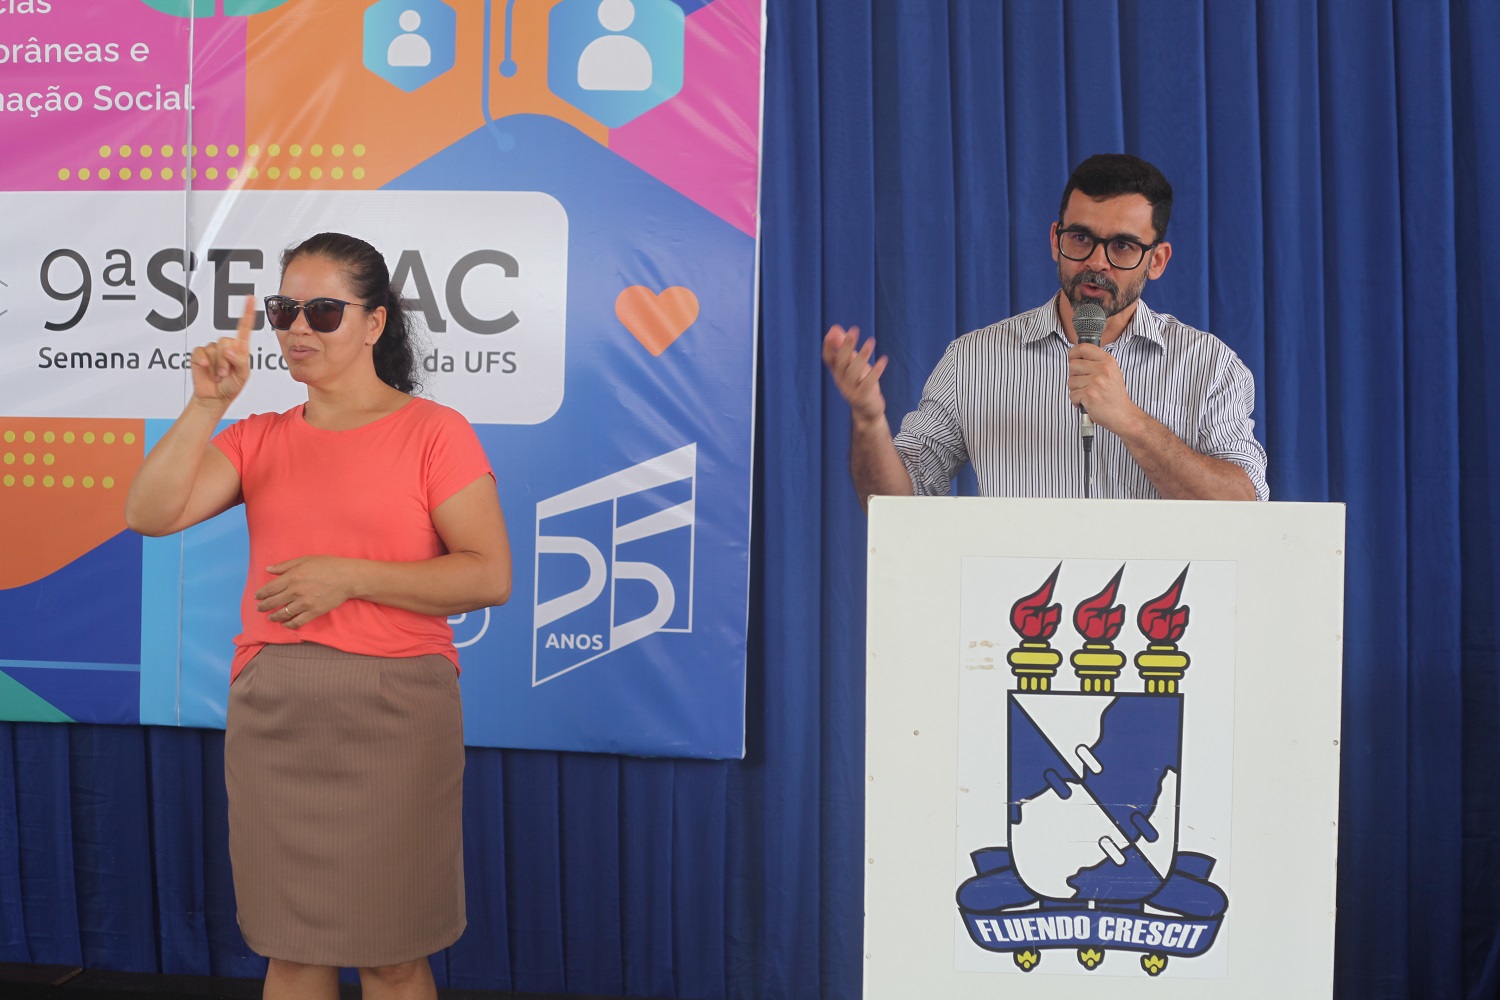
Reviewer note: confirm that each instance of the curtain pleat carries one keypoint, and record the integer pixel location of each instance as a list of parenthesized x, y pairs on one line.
[(592, 932), (1333, 164), (1236, 272), (1431, 373), (1037, 150), (110, 831), (13, 942), (44, 810), (532, 878), (481, 958), (1292, 252), (228, 955), (840, 288), (1476, 140), (646, 847), (1366, 391), (173, 781)]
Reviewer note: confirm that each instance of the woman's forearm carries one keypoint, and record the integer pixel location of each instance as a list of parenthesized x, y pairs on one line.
[(446, 585), (163, 488)]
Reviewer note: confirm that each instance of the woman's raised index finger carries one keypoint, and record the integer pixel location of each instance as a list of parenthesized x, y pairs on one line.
[(247, 321)]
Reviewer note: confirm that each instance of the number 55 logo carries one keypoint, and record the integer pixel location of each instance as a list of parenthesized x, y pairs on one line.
[(614, 563)]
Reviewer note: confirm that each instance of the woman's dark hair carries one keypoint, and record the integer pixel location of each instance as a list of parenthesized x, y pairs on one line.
[(395, 351), (1106, 175)]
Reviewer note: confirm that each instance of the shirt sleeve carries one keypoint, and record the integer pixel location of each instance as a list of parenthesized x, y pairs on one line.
[(231, 441), (455, 458), (931, 442), (1228, 430)]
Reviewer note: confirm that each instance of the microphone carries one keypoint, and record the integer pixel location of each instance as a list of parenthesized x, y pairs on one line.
[(1088, 323)]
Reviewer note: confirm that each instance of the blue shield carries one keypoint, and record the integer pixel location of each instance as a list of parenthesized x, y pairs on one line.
[(1094, 783)]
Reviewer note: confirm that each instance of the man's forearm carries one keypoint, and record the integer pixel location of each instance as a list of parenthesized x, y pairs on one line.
[(1180, 473), (874, 463)]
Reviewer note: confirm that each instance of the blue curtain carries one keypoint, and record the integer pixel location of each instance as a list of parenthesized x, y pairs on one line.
[(1333, 225)]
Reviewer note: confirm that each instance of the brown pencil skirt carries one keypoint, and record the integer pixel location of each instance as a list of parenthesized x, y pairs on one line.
[(345, 778)]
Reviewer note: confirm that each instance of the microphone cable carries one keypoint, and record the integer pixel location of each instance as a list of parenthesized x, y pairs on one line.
[(1088, 466)]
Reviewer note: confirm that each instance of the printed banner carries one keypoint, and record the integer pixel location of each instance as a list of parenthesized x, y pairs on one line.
[(566, 193)]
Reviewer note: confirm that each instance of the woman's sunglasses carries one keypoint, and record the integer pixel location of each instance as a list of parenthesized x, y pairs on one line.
[(323, 313)]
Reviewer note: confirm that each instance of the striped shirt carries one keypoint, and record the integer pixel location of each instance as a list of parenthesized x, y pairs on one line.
[(999, 399)]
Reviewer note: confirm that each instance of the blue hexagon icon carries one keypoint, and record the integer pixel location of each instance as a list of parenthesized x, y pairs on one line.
[(410, 42), (614, 60)]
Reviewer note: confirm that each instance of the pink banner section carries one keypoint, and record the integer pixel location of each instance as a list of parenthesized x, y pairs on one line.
[(705, 142), (99, 99)]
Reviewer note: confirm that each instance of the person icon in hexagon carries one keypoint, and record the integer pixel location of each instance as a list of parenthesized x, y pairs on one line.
[(410, 48), (615, 62)]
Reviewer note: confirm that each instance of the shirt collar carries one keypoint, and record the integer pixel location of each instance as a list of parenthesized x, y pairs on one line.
[(1146, 323)]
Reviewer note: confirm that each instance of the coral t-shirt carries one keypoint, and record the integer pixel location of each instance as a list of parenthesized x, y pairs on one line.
[(365, 493)]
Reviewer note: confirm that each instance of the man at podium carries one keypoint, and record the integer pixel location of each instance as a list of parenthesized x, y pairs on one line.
[(1167, 407)]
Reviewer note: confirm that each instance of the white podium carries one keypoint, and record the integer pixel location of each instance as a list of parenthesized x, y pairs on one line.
[(1102, 748)]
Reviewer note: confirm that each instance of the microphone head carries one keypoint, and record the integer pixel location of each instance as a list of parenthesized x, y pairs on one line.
[(1088, 322)]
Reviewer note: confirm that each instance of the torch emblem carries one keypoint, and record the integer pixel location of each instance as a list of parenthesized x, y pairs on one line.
[(1094, 775)]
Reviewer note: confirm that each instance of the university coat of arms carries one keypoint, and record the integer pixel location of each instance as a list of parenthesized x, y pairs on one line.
[(1094, 781)]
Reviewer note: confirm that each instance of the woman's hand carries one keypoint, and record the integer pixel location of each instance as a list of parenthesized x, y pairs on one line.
[(474, 572), (221, 369), (305, 588)]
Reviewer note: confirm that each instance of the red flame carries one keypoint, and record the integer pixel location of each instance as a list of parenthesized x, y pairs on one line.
[(1095, 619), (1161, 620), (1032, 616)]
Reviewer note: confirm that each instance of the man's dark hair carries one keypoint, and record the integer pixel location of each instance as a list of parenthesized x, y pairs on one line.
[(1106, 175)]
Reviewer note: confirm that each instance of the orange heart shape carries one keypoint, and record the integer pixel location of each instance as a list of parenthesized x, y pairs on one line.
[(656, 320)]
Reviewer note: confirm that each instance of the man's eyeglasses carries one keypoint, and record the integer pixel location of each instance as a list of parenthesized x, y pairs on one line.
[(323, 313), (1121, 251)]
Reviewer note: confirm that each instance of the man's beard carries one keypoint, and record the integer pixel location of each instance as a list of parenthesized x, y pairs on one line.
[(1117, 300)]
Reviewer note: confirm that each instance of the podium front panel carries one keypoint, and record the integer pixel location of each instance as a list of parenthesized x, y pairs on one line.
[(1102, 748)]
